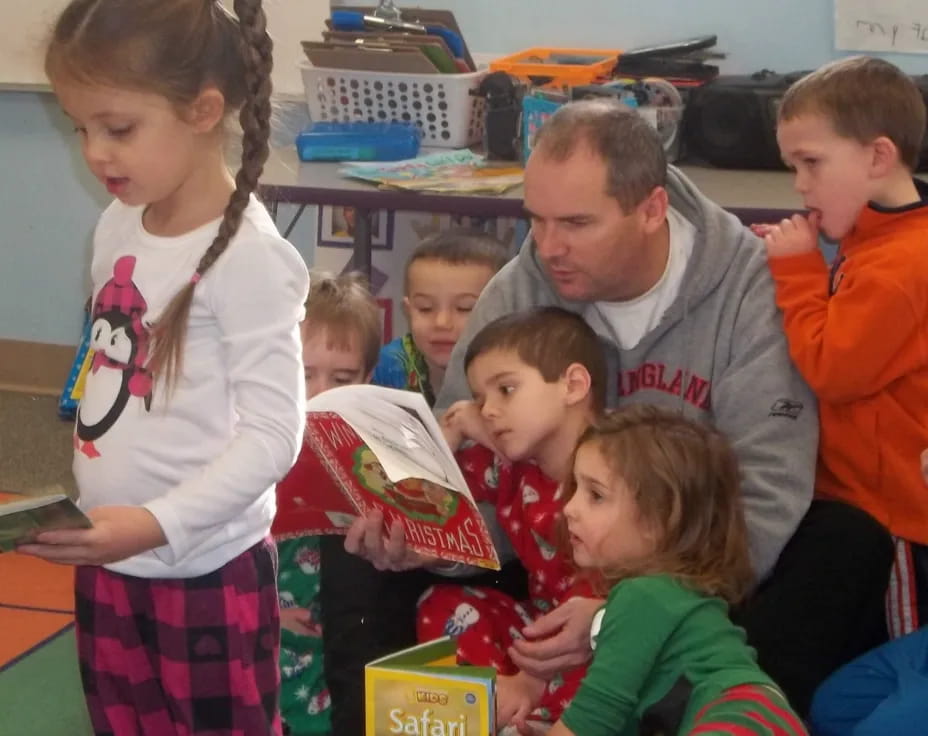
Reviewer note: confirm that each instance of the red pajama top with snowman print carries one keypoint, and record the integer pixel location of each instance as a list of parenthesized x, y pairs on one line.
[(486, 621)]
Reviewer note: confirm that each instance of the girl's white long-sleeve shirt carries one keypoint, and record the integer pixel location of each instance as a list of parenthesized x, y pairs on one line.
[(203, 460)]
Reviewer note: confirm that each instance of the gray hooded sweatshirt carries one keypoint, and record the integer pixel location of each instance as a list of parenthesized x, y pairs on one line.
[(719, 354)]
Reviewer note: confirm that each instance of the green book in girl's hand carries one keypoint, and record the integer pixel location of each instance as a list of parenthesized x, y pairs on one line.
[(22, 517)]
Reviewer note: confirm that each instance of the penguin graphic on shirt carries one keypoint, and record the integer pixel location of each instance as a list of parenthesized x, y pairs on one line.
[(120, 341)]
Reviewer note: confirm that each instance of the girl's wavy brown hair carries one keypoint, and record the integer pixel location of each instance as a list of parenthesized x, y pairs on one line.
[(176, 48), (686, 483)]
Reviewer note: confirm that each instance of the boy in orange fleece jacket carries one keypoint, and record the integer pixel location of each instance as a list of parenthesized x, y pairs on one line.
[(859, 332)]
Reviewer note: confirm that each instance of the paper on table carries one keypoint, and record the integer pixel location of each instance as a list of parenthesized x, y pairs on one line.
[(450, 171)]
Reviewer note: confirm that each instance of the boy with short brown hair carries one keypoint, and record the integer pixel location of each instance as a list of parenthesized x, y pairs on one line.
[(444, 277), (538, 378), (858, 331)]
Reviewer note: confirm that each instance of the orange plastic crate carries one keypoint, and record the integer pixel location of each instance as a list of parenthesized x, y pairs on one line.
[(541, 62)]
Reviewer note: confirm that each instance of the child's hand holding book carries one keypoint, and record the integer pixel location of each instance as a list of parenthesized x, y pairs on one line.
[(23, 517), (516, 697), (115, 533)]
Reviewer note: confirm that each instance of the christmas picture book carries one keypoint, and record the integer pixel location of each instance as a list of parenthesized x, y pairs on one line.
[(423, 691), (22, 517), (370, 448)]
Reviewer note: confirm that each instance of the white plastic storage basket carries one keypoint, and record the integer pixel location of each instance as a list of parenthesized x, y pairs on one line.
[(441, 104)]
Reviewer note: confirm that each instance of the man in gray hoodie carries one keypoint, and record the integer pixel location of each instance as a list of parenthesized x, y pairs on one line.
[(679, 291)]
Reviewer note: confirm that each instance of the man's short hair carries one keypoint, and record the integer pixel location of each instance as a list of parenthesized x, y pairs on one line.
[(629, 146), (549, 339), (459, 246), (863, 98), (344, 308)]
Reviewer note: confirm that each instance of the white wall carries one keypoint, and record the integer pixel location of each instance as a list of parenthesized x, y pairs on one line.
[(785, 35), (48, 204), (26, 25), (48, 207)]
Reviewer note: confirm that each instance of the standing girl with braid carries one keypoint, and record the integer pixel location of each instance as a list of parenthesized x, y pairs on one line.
[(193, 408)]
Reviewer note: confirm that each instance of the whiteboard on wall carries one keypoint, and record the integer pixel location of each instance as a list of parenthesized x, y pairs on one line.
[(22, 37), (882, 25), (26, 25)]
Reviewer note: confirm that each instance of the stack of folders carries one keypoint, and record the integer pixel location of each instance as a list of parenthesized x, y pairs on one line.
[(424, 42)]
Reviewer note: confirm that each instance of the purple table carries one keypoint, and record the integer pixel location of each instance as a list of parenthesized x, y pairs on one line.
[(754, 196)]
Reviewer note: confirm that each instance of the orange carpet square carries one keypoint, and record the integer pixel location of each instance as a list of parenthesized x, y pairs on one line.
[(29, 581), (23, 630)]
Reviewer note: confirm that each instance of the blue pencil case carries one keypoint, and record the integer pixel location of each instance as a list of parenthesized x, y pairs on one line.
[(358, 141)]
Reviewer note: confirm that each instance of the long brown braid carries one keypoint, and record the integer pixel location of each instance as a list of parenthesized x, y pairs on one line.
[(176, 48), (255, 117)]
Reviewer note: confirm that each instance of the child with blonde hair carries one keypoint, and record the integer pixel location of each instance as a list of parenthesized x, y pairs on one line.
[(193, 409), (341, 339), (342, 332), (653, 519)]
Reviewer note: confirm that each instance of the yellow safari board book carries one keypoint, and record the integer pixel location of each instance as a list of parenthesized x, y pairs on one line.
[(422, 692)]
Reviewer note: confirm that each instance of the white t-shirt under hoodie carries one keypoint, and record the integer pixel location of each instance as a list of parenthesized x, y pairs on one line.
[(625, 323), (205, 459)]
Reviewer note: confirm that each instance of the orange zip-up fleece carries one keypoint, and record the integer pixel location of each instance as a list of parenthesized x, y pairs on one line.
[(859, 336)]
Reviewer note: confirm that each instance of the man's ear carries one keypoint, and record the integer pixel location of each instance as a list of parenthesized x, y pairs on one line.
[(653, 210), (207, 110), (406, 307), (885, 157), (577, 382)]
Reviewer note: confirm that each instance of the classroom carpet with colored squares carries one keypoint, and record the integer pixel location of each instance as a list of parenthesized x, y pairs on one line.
[(40, 690)]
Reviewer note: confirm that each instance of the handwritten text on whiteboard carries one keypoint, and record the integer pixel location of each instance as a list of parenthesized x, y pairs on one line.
[(882, 25)]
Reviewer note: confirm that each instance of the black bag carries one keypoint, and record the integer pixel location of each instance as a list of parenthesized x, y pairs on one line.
[(731, 122)]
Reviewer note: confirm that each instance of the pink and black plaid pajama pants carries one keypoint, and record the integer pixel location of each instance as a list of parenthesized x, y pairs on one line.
[(182, 657)]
